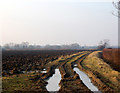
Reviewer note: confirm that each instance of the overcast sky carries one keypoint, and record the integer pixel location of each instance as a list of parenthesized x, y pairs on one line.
[(58, 21)]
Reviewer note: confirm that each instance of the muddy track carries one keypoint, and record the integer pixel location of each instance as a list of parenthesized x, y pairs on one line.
[(70, 80), (68, 69), (67, 66), (51, 66)]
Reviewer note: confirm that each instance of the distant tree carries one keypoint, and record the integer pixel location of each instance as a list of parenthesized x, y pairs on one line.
[(103, 44), (11, 45), (25, 44), (31, 46), (17, 46), (38, 46), (6, 46), (47, 46), (75, 46), (117, 6)]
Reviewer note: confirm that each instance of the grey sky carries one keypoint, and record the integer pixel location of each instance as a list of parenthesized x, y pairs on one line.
[(57, 22)]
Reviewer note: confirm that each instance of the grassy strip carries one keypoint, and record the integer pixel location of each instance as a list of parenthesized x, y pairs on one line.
[(23, 82), (101, 73)]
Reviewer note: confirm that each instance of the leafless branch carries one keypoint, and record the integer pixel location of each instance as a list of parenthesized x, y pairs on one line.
[(117, 6)]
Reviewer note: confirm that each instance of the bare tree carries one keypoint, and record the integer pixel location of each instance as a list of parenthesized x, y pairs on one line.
[(103, 44), (25, 44), (117, 7)]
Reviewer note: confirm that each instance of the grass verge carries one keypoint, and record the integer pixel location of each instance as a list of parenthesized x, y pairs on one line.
[(102, 70), (23, 82)]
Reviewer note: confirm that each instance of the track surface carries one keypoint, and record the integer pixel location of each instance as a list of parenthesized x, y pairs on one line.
[(70, 80)]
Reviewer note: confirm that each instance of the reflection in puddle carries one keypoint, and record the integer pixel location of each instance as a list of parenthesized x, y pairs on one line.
[(26, 72), (86, 80), (23, 72), (36, 71), (53, 82), (75, 65), (43, 71)]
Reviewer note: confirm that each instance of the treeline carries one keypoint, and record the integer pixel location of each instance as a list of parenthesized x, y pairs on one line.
[(26, 45)]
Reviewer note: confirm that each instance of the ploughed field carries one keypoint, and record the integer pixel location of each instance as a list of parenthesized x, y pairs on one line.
[(30, 71), (14, 62)]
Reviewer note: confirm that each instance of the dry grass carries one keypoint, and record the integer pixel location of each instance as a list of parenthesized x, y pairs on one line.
[(102, 70), (23, 82)]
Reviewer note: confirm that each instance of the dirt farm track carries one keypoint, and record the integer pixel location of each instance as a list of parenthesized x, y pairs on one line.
[(22, 71)]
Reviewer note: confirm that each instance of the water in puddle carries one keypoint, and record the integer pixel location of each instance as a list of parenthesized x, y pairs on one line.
[(53, 82), (43, 71), (86, 80), (29, 71), (75, 65)]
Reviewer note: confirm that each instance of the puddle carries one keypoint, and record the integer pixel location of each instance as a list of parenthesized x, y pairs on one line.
[(75, 65), (23, 72), (43, 71), (26, 72), (36, 71), (53, 82), (86, 80)]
